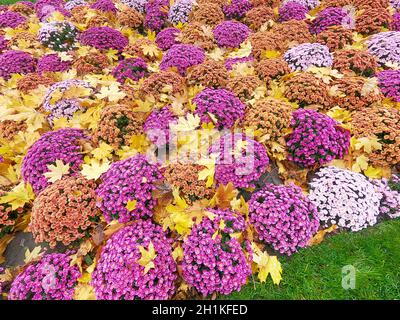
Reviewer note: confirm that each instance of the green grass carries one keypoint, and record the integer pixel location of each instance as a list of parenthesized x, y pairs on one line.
[(316, 272), (12, 1)]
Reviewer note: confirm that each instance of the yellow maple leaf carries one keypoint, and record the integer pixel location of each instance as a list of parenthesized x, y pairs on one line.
[(320, 235), (131, 205), (94, 169), (266, 265), (18, 196), (360, 164), (32, 255), (339, 114), (151, 50), (373, 173), (189, 123), (270, 54), (217, 54), (178, 217), (177, 254), (369, 144), (84, 291), (147, 257), (224, 196), (56, 171), (111, 92), (103, 151)]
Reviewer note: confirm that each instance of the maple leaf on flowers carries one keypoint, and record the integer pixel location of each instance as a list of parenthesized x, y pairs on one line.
[(216, 54), (371, 86), (94, 168), (243, 51), (18, 196), (266, 265), (209, 171), (325, 74), (241, 69), (111, 92), (147, 257), (56, 171)]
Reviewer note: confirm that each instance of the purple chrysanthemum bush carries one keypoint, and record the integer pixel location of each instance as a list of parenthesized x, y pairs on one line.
[(390, 191), (214, 260), (220, 104), (157, 126), (389, 83), (51, 278), (128, 180), (181, 57), (120, 276), (131, 68), (240, 160), (283, 217), (15, 61), (231, 34), (103, 38), (316, 139), (344, 198)]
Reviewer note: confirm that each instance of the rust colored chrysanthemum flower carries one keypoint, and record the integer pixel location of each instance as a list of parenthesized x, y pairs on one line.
[(22, 8), (367, 4), (117, 125), (65, 211), (270, 117), (32, 81), (24, 36), (130, 18), (291, 33), (385, 125), (185, 177), (208, 14), (257, 16), (269, 69), (243, 87), (9, 128), (335, 37), (307, 89), (137, 49), (197, 34), (94, 62), (209, 74), (360, 62), (99, 20), (337, 3), (155, 84), (353, 95), (264, 41), (269, 3), (373, 21)]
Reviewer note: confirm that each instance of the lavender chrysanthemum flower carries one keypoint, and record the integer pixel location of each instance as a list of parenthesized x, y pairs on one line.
[(103, 38), (316, 139), (70, 4), (308, 55), (104, 5), (59, 36), (395, 4), (390, 191), (51, 278), (182, 56), (283, 217), (131, 179), (157, 125), (63, 145), (389, 83), (167, 38), (331, 16), (231, 34), (292, 11), (237, 9), (240, 160), (214, 261), (131, 68), (11, 19), (52, 63), (344, 198), (138, 5), (179, 11), (15, 61), (221, 104), (119, 275), (385, 46), (45, 8)]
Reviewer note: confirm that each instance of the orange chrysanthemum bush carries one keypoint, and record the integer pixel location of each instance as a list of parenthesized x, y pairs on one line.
[(263, 41), (210, 74), (198, 34), (244, 86), (33, 80), (94, 62), (335, 37), (9, 128), (185, 177), (306, 89), (130, 18), (360, 62), (384, 124), (371, 4), (353, 93), (257, 16), (65, 211), (154, 84), (373, 20), (270, 69), (208, 14), (117, 125), (291, 33), (269, 117)]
